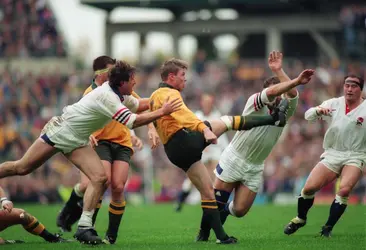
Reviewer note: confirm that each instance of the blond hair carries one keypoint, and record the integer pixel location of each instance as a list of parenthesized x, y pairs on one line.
[(172, 66)]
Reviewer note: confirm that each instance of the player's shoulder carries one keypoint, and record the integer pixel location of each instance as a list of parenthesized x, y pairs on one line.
[(336, 100)]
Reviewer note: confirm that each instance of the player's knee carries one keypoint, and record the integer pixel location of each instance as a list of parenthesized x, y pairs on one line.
[(100, 179), (118, 188), (344, 191), (240, 212)]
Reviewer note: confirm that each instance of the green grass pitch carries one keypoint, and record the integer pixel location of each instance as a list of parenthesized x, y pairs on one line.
[(159, 227)]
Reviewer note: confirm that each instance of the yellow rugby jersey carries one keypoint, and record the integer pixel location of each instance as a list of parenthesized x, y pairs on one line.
[(167, 126), (113, 131)]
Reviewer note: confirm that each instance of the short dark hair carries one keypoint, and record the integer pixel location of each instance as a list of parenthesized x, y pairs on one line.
[(271, 81), (172, 66), (101, 62), (362, 81), (121, 72)]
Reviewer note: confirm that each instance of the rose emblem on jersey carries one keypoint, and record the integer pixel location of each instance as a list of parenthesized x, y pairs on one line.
[(359, 121)]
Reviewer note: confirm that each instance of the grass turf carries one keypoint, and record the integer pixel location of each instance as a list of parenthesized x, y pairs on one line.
[(159, 227)]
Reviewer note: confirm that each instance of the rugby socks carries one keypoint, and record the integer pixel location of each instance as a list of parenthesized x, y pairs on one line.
[(97, 211), (247, 122), (221, 198), (337, 208), (116, 211), (33, 226), (304, 203), (72, 209), (211, 219)]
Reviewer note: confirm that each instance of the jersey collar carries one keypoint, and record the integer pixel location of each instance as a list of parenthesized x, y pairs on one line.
[(93, 85), (115, 90), (165, 85)]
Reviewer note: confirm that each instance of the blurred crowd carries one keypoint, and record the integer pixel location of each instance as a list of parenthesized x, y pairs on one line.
[(28, 29), (27, 101), (353, 20)]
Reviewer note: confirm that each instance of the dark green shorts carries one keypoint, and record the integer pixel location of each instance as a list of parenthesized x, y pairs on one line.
[(185, 147), (110, 151)]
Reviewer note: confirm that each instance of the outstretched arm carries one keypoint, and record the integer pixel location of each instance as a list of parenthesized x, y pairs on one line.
[(275, 64)]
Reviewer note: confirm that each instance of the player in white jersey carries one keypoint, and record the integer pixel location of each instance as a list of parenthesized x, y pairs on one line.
[(344, 153), (241, 164), (211, 154), (69, 134)]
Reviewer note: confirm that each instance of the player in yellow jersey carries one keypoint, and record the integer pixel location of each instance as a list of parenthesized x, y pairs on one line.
[(10, 216), (114, 145), (185, 137)]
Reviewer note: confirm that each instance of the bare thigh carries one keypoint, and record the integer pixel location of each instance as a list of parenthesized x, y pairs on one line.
[(37, 154), (350, 175), (87, 160), (319, 177)]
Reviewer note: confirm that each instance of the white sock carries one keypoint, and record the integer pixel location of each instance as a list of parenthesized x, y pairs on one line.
[(86, 219), (231, 208), (187, 185), (306, 196), (341, 200), (77, 190)]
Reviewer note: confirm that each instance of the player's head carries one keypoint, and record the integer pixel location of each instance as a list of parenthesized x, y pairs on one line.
[(352, 87), (173, 72), (122, 77), (207, 103), (268, 83), (101, 66)]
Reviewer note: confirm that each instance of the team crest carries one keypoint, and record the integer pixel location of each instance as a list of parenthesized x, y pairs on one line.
[(359, 121)]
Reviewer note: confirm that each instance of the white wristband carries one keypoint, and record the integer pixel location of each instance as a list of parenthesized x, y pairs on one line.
[(3, 199)]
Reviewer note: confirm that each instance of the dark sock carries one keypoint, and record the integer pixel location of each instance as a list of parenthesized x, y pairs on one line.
[(74, 199), (221, 198), (211, 216), (76, 214), (96, 211), (303, 206), (336, 211), (182, 196), (47, 236), (251, 121), (37, 228), (116, 211), (71, 205)]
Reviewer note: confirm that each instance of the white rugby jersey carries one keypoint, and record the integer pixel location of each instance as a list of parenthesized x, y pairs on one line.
[(253, 146), (97, 108), (223, 140), (347, 130)]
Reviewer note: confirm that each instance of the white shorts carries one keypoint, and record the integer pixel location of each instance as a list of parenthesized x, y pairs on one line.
[(57, 133), (232, 168), (336, 160)]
